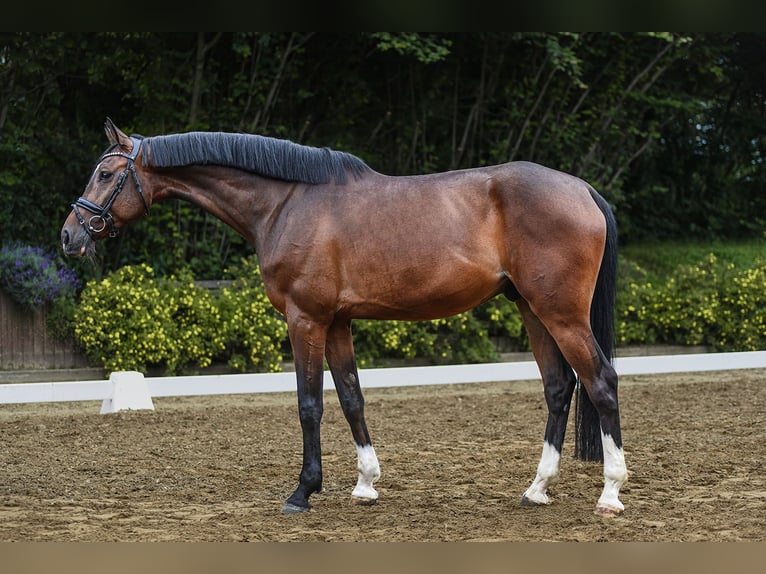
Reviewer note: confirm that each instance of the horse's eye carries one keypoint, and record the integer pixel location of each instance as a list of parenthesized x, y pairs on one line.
[(105, 176)]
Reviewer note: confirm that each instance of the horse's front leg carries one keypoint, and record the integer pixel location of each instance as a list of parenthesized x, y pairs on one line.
[(340, 358), (308, 343)]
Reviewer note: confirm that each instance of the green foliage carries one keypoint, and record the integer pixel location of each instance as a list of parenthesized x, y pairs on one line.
[(502, 320), (426, 48), (741, 324), (133, 320), (458, 339), (254, 332), (59, 319), (666, 125), (660, 260), (707, 303)]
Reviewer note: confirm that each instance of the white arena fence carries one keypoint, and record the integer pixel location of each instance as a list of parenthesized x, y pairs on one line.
[(127, 390)]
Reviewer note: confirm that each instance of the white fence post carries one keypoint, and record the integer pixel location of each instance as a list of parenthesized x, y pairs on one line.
[(129, 391)]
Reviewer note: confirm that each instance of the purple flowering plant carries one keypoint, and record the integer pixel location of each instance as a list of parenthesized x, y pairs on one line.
[(33, 276)]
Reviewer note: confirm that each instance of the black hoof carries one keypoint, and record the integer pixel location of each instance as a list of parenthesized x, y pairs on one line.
[(290, 508), (527, 502)]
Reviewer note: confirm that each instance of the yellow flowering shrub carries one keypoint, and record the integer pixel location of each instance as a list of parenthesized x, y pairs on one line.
[(131, 320), (463, 338), (742, 311), (134, 320), (708, 303), (253, 330)]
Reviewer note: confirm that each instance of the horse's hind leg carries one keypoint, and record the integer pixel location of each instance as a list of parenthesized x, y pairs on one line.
[(558, 383), (600, 381), (340, 358)]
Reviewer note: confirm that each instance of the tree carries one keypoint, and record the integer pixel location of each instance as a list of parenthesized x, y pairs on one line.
[(666, 125)]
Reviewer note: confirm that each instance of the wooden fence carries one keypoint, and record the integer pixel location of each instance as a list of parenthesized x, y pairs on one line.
[(26, 344)]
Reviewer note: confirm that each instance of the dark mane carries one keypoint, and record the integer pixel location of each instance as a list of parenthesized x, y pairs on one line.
[(266, 156)]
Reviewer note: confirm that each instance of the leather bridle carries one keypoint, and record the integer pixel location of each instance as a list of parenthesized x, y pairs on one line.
[(101, 218)]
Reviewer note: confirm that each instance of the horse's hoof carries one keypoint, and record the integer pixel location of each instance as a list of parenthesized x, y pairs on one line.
[(607, 511), (528, 502), (290, 508), (363, 501)]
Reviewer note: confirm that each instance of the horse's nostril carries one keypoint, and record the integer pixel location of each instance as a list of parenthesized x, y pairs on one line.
[(65, 238)]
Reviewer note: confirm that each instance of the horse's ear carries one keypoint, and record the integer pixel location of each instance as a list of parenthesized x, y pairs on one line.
[(116, 136)]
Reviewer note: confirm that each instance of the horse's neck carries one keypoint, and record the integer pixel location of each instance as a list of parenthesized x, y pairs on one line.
[(240, 199)]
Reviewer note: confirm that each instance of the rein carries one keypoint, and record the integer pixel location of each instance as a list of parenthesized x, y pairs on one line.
[(101, 218)]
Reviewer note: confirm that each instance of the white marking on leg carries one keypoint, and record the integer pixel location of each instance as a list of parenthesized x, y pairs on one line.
[(615, 475), (547, 474), (369, 471)]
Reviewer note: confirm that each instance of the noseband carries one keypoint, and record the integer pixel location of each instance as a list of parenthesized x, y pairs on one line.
[(101, 218)]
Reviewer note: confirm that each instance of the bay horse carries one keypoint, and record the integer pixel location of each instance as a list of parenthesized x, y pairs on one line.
[(337, 241)]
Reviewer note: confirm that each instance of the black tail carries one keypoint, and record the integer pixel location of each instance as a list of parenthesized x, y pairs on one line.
[(587, 426)]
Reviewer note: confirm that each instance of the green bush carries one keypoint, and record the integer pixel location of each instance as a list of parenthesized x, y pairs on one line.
[(458, 339), (741, 315), (131, 320), (707, 303), (134, 320), (253, 330), (463, 338)]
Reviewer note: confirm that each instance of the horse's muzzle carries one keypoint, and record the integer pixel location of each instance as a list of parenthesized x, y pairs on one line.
[(75, 242)]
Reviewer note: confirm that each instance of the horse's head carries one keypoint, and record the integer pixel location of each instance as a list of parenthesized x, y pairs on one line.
[(103, 208)]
